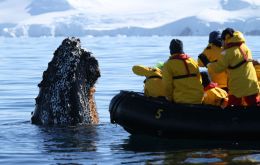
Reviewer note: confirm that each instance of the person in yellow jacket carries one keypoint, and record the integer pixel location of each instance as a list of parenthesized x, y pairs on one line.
[(213, 95), (257, 69), (153, 85), (213, 53), (237, 58), (181, 76)]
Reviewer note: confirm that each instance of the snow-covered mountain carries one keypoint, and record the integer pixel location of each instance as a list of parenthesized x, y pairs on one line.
[(37, 18)]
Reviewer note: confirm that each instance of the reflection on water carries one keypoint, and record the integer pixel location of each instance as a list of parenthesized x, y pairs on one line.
[(69, 139), (170, 151), (143, 143)]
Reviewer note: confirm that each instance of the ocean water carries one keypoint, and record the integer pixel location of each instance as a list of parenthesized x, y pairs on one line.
[(22, 62)]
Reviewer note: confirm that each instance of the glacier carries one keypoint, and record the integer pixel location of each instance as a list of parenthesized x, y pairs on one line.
[(52, 18)]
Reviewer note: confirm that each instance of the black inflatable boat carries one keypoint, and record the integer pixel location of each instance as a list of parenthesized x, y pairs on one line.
[(138, 114)]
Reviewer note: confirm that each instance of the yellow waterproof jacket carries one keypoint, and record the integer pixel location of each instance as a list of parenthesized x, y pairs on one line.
[(214, 95), (153, 85), (213, 53), (257, 69), (242, 78), (182, 80)]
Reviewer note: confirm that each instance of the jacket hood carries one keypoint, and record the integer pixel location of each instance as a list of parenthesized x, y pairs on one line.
[(237, 37)]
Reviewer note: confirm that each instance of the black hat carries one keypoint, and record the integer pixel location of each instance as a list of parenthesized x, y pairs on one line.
[(227, 31), (215, 38), (205, 78), (176, 46)]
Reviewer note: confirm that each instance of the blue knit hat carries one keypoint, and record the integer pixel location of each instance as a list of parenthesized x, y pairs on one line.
[(215, 38)]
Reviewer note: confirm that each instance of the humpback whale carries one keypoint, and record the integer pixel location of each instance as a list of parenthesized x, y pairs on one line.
[(66, 92)]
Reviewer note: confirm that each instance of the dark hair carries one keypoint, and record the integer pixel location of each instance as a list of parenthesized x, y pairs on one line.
[(205, 78), (227, 31), (176, 46)]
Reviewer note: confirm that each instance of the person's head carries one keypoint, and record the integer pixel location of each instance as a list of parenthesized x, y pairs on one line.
[(205, 78), (176, 46), (215, 38), (227, 33)]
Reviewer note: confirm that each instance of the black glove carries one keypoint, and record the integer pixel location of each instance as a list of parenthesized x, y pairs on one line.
[(204, 59)]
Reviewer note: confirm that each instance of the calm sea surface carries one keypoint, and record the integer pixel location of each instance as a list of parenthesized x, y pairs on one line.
[(22, 62)]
